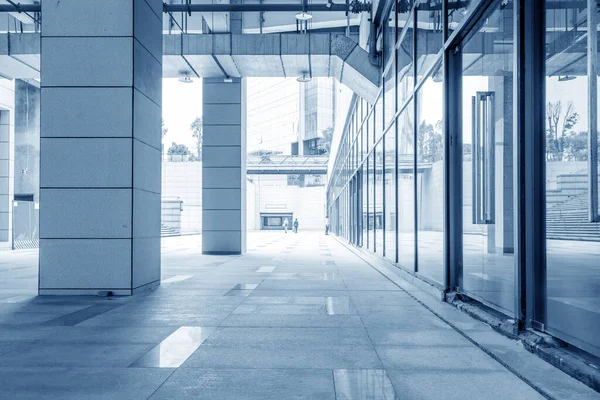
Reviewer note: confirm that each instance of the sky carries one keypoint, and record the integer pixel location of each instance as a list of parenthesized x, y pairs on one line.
[(181, 104)]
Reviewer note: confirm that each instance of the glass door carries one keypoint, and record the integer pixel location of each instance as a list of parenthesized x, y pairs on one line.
[(487, 135)]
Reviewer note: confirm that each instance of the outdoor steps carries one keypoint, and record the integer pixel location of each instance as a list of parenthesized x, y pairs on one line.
[(168, 231), (568, 219)]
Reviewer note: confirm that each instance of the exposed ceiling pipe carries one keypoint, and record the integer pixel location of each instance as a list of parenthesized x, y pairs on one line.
[(297, 7), (354, 7)]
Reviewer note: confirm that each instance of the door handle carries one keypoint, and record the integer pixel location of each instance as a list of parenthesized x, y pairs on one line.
[(483, 158)]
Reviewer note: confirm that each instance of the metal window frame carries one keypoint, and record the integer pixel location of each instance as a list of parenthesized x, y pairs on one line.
[(529, 101)]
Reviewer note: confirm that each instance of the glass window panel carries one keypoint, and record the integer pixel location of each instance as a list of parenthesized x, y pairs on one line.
[(365, 209), (390, 95), (572, 241), (404, 14), (430, 34), (379, 198), (369, 135), (404, 66), (378, 118), (488, 214), (430, 179), (364, 141), (406, 188), (390, 34), (457, 11), (390, 193), (371, 174)]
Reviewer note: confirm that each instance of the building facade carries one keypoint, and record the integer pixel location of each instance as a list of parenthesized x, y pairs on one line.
[(289, 117), (476, 170)]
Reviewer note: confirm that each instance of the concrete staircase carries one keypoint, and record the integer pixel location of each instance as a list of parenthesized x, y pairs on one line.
[(168, 231), (567, 213)]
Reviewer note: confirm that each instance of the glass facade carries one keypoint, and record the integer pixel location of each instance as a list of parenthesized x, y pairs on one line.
[(487, 137), (572, 227), (458, 186), (430, 178)]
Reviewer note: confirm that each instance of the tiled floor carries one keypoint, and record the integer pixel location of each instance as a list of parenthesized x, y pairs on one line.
[(299, 316)]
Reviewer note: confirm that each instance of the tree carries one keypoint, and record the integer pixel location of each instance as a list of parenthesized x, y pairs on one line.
[(164, 129), (324, 143), (178, 149), (430, 142), (560, 129), (575, 147), (196, 128)]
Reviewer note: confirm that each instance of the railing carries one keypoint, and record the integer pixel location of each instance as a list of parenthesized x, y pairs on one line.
[(281, 164)]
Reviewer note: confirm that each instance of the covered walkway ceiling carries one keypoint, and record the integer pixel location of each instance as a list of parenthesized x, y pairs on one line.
[(232, 55)]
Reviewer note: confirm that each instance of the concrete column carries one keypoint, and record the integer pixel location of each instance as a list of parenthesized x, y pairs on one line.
[(100, 177), (224, 166), (6, 178)]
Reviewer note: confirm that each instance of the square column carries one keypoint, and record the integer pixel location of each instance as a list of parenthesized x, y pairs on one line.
[(6, 178), (224, 166), (100, 180)]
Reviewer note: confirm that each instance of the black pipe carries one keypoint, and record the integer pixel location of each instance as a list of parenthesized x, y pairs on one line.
[(209, 7), (20, 8), (374, 56), (276, 7), (299, 7)]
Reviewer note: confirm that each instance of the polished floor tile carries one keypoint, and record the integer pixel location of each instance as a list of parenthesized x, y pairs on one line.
[(40, 354), (248, 384), (363, 384), (175, 349), (239, 293), (99, 383), (176, 278), (456, 383), (281, 309), (264, 325), (266, 269), (82, 315), (340, 306), (245, 286)]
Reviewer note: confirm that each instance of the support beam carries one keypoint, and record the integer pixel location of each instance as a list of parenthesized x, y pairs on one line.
[(529, 168), (100, 168), (224, 166)]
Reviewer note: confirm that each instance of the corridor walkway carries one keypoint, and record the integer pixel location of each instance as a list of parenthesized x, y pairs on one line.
[(299, 316)]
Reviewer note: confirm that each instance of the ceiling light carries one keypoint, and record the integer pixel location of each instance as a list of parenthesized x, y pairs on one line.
[(566, 78), (304, 78), (303, 16), (186, 79), (438, 76)]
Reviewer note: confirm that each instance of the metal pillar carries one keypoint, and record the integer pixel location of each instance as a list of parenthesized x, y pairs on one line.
[(592, 65), (529, 162)]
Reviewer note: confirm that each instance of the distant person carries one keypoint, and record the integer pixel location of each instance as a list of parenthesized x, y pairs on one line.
[(327, 225), (296, 225), (285, 224)]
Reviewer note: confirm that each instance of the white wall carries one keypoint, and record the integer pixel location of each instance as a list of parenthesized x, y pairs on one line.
[(305, 203), (7, 151)]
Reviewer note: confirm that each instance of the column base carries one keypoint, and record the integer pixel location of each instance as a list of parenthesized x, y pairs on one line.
[(94, 292), (222, 253)]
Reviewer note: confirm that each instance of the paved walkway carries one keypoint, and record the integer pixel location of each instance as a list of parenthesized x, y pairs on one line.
[(299, 316)]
